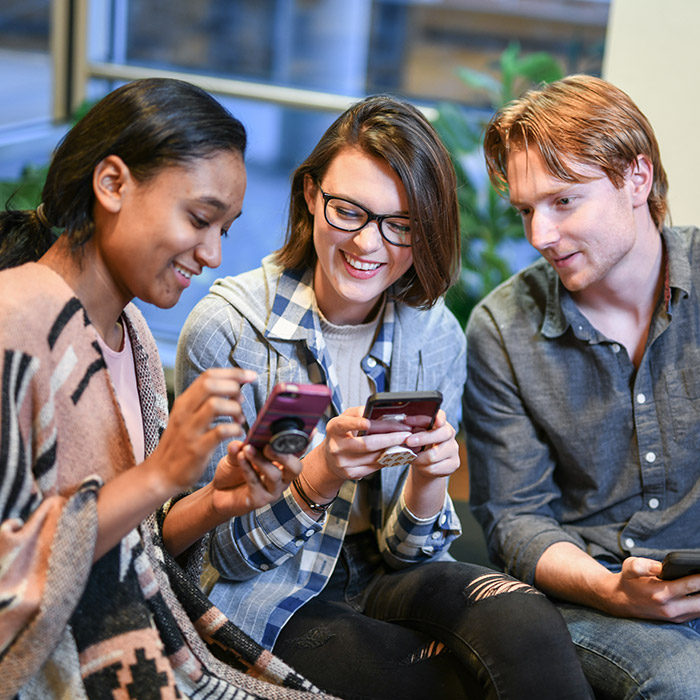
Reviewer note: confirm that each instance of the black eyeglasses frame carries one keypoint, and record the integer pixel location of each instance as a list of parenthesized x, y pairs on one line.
[(371, 216)]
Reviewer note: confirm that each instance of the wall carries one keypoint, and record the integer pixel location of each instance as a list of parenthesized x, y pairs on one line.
[(651, 53)]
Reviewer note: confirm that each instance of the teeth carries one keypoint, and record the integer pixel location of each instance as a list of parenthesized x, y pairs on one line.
[(182, 271), (358, 265)]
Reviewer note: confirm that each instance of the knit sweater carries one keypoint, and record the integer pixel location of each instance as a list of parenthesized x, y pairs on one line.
[(134, 621)]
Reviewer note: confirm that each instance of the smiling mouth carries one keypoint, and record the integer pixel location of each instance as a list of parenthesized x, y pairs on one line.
[(183, 271), (359, 264)]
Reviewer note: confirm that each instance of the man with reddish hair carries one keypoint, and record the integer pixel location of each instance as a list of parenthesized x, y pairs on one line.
[(582, 404)]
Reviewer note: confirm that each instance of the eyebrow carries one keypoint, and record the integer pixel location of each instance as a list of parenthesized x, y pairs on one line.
[(543, 195), (213, 202), (403, 214)]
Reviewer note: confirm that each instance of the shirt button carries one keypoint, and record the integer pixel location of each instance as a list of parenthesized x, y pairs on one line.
[(428, 549), (443, 519), (629, 543), (653, 503), (641, 398), (650, 457), (308, 533), (436, 535), (264, 567), (298, 542), (371, 362), (615, 348)]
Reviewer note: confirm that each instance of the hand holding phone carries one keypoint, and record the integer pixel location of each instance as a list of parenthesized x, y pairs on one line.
[(679, 563), (400, 411), (288, 417)]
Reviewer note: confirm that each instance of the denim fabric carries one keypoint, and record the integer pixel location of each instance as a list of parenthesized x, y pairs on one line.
[(567, 441), (659, 661), (371, 634)]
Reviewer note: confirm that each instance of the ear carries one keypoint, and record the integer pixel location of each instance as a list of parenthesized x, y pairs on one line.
[(109, 179), (310, 192), (641, 179)]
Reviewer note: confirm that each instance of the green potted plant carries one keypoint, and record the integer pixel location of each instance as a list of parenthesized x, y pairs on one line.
[(491, 230)]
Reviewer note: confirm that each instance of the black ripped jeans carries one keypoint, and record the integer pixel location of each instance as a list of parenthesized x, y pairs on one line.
[(374, 633)]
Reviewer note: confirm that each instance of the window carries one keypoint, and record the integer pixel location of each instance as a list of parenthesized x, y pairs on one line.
[(337, 49)]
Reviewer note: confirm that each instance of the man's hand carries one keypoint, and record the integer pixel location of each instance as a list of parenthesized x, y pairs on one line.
[(567, 572)]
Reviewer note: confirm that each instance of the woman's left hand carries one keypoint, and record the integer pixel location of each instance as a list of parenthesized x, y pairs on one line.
[(245, 479), (440, 458), (426, 484)]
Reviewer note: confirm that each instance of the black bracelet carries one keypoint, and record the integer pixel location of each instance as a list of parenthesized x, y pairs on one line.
[(313, 507)]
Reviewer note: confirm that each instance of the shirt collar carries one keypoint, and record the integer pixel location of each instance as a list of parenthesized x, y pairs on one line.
[(678, 272), (560, 305), (295, 317), (555, 321), (292, 315)]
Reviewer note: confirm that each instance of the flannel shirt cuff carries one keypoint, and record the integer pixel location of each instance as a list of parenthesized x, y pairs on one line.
[(412, 539)]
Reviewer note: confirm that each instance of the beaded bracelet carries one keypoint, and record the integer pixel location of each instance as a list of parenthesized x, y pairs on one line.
[(313, 507)]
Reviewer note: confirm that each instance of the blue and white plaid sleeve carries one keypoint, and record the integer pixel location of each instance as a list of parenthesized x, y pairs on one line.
[(261, 540), (407, 539)]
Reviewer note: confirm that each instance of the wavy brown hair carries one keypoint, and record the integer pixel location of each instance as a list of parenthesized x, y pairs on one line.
[(396, 132)]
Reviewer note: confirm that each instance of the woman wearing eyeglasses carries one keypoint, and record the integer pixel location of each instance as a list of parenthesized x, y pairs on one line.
[(348, 577)]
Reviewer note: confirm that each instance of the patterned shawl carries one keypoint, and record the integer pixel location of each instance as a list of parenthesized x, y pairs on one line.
[(134, 624)]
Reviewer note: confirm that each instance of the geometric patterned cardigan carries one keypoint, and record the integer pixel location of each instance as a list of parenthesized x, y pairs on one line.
[(134, 624)]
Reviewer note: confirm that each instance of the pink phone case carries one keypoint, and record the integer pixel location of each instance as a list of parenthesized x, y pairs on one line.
[(288, 417)]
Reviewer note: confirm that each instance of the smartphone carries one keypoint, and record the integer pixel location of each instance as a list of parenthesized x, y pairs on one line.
[(403, 410), (288, 417), (680, 563)]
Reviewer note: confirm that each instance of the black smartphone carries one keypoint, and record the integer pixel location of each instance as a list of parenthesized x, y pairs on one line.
[(392, 411), (288, 417), (682, 562)]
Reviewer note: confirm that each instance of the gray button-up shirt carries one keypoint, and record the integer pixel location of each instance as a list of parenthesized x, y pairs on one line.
[(567, 441)]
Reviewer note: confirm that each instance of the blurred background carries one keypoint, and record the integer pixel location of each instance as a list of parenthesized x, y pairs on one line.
[(287, 68)]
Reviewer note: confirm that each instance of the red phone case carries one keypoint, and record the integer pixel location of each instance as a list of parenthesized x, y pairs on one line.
[(392, 405), (289, 416)]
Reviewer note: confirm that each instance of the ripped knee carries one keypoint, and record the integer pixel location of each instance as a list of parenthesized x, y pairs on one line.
[(427, 651), (491, 585)]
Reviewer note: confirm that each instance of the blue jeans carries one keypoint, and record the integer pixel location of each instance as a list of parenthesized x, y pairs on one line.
[(629, 658), (372, 633)]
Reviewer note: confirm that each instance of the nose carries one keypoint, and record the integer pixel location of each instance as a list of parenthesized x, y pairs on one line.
[(542, 232), (369, 238), (208, 252)]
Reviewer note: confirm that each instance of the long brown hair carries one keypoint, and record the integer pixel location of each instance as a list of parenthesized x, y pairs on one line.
[(396, 132)]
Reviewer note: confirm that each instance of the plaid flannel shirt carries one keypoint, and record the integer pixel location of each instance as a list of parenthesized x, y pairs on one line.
[(276, 558)]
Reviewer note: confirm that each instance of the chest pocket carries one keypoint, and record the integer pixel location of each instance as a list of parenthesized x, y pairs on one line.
[(682, 393)]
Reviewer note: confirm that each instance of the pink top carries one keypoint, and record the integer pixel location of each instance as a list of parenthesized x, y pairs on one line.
[(122, 371)]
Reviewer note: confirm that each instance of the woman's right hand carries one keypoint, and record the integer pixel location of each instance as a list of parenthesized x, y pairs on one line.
[(344, 454), (193, 432), (183, 453)]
